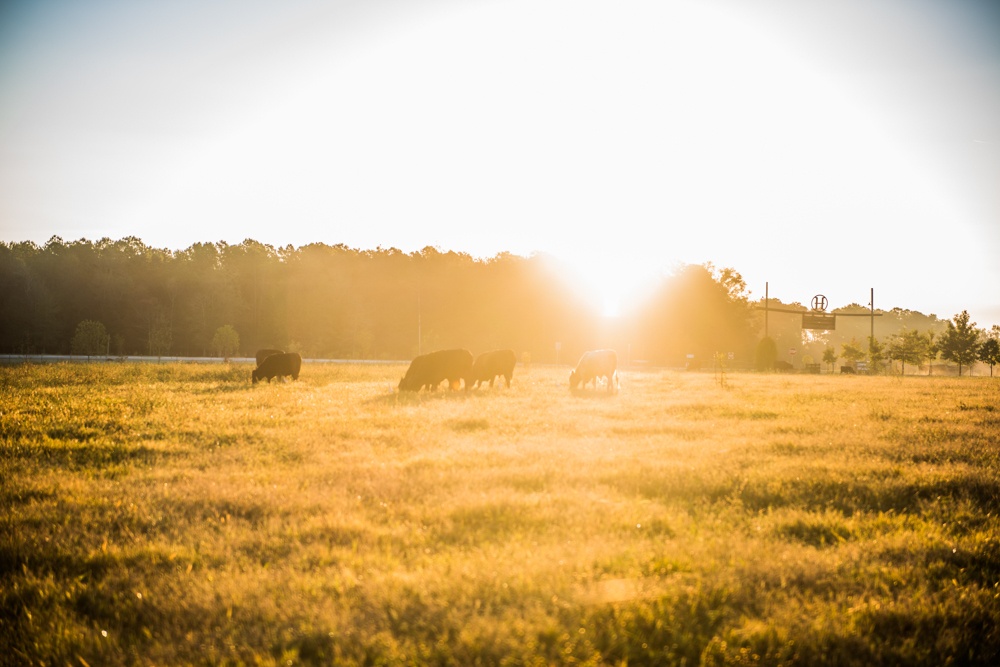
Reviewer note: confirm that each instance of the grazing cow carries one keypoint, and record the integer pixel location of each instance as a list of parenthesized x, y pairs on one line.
[(489, 365), (780, 365), (428, 370), (593, 365), (264, 354), (278, 365)]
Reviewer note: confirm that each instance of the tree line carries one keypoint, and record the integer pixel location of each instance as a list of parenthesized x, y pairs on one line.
[(122, 297)]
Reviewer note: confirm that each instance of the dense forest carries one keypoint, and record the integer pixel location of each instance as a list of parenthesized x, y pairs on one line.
[(339, 302)]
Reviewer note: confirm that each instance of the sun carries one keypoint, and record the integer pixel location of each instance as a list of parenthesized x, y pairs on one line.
[(610, 285), (611, 306)]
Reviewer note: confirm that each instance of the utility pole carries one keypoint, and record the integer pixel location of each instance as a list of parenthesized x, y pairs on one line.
[(871, 334), (766, 299)]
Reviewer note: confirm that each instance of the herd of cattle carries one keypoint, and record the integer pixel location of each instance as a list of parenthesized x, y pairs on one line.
[(456, 366)]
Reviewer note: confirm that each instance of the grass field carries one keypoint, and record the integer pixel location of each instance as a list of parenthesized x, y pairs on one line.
[(168, 515)]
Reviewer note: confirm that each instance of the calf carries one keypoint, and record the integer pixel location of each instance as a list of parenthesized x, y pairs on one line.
[(489, 365), (278, 365), (593, 365)]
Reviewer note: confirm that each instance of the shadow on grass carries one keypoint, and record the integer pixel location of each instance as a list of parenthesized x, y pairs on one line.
[(75, 455), (420, 397), (844, 496)]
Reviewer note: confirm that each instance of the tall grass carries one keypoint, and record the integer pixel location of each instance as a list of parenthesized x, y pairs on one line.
[(177, 514)]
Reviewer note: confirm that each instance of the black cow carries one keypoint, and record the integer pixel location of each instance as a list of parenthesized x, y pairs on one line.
[(264, 354), (428, 370), (278, 365), (489, 365), (593, 365)]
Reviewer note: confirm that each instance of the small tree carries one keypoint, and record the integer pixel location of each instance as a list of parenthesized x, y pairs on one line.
[(767, 354), (908, 347), (931, 351), (852, 351), (118, 341), (876, 354), (226, 342), (989, 353), (830, 356), (161, 337), (960, 342), (90, 338)]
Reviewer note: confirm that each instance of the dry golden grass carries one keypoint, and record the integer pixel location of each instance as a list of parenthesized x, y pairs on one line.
[(178, 515)]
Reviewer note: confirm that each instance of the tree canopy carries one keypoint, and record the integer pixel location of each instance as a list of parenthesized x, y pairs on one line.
[(332, 301), (90, 338), (908, 347), (960, 341), (989, 351)]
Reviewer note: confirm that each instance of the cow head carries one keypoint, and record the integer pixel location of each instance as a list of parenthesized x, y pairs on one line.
[(574, 379), (254, 377)]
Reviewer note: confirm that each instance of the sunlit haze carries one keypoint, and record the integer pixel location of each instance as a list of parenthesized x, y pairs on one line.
[(825, 148)]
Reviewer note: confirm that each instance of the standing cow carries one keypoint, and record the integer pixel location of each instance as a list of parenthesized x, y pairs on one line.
[(278, 365), (489, 365), (428, 370), (593, 365)]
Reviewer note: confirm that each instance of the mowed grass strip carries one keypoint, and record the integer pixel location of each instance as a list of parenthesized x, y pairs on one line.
[(176, 514)]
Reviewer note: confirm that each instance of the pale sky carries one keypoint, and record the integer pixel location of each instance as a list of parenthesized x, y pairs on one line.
[(824, 147)]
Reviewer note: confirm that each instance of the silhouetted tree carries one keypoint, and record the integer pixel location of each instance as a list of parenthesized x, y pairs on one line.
[(989, 353), (766, 354), (91, 338), (160, 336), (931, 351), (852, 351), (226, 342), (960, 341), (830, 356), (876, 354), (908, 347), (700, 311)]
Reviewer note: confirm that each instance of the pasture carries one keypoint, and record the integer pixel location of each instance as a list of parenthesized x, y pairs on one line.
[(175, 514)]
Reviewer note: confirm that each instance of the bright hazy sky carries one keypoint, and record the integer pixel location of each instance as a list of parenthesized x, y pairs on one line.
[(823, 147)]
